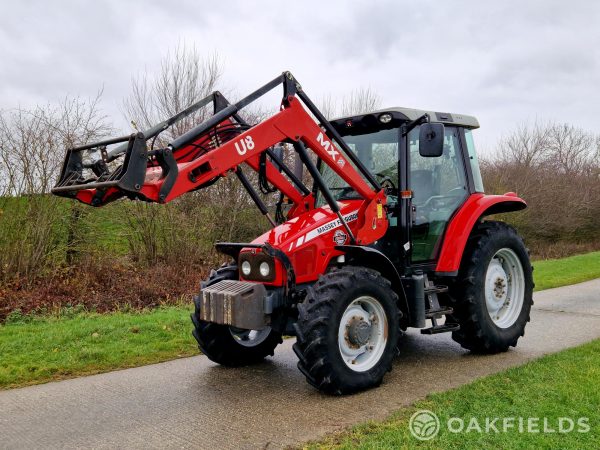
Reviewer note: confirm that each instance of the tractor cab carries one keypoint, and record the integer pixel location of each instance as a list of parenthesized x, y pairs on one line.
[(424, 186)]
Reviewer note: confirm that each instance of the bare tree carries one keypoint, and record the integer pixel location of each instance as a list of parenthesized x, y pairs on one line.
[(358, 101), (183, 229), (33, 142), (40, 230), (572, 148), (184, 77), (556, 168), (526, 146)]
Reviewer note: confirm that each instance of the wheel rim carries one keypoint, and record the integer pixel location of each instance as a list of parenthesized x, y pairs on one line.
[(249, 338), (504, 288), (362, 334)]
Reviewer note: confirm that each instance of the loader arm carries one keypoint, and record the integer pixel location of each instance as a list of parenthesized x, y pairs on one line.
[(218, 147), (291, 124)]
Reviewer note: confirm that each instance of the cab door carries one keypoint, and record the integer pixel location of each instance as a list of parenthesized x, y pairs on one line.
[(439, 187)]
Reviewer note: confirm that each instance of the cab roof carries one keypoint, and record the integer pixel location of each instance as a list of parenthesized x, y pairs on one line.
[(409, 114)]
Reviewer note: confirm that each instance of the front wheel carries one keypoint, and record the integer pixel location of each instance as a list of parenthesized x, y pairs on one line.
[(494, 290), (227, 345), (347, 331)]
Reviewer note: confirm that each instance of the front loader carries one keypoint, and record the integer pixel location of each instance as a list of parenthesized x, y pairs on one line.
[(389, 234)]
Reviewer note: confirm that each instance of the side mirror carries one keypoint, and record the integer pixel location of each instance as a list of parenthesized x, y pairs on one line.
[(431, 140)]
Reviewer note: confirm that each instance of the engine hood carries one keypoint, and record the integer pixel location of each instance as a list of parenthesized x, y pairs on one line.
[(309, 240), (319, 222)]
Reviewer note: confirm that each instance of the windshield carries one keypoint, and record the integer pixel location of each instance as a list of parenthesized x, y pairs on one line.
[(377, 151)]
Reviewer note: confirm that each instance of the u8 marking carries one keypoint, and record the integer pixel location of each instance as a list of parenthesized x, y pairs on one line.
[(245, 144)]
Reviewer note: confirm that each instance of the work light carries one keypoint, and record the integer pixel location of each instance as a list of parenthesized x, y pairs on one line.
[(385, 118)]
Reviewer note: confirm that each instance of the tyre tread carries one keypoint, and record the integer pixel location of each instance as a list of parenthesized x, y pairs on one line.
[(314, 313), (471, 335)]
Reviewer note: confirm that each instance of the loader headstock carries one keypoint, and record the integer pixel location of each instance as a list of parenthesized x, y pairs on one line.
[(93, 167), (103, 171)]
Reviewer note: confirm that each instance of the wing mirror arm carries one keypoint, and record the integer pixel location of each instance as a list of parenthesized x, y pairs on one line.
[(418, 121), (431, 136)]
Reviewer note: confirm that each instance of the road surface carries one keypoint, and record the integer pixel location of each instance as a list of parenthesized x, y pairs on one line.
[(193, 403)]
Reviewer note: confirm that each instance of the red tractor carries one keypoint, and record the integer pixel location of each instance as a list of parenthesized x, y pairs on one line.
[(389, 235)]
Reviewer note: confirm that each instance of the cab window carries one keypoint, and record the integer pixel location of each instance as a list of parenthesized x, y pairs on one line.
[(378, 152), (439, 188)]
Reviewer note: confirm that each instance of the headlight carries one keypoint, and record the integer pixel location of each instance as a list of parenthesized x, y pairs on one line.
[(247, 268), (264, 269), (256, 266)]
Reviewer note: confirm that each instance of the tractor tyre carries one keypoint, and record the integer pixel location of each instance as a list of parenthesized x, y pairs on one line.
[(493, 292), (347, 330), (226, 345)]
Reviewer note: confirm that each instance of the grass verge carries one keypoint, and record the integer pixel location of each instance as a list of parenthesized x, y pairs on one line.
[(36, 350), (550, 273), (563, 385)]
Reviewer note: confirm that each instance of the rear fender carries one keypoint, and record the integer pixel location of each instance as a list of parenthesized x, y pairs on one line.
[(374, 259), (460, 226)]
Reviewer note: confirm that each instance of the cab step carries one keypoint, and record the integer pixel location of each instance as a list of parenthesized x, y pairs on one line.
[(445, 328), (438, 313), (440, 289)]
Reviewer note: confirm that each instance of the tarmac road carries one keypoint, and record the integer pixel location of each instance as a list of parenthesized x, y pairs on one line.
[(193, 403)]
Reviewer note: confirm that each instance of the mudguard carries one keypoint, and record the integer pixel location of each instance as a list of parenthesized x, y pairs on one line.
[(374, 259), (461, 225)]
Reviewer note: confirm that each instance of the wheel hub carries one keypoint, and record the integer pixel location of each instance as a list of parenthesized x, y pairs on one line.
[(496, 283), (504, 288), (499, 287), (359, 331), (362, 333)]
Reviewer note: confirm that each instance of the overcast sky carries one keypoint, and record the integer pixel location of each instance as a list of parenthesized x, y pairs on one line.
[(505, 62)]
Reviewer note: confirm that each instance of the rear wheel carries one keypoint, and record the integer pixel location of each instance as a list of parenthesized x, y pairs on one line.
[(230, 346), (347, 330), (494, 290)]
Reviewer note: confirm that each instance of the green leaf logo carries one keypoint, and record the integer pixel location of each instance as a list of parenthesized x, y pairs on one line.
[(424, 425)]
